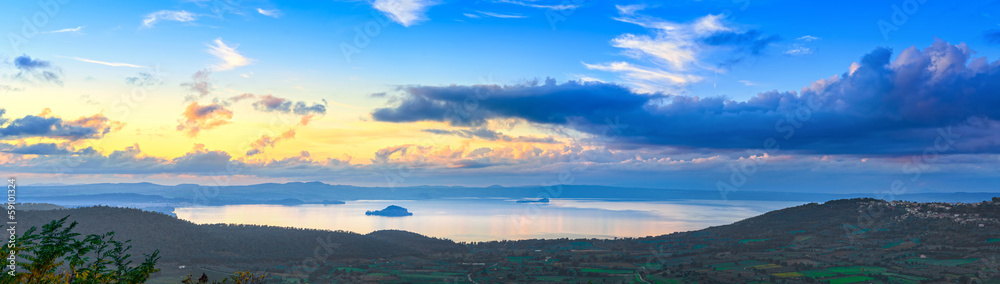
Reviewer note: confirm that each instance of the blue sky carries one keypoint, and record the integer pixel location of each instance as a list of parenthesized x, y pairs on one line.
[(358, 92)]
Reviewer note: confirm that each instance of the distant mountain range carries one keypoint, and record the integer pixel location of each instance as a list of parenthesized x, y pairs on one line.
[(317, 192)]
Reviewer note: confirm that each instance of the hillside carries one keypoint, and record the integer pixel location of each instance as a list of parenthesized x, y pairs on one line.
[(185, 242), (842, 241)]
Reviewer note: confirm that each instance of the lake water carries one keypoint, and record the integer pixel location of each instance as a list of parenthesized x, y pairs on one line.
[(496, 219)]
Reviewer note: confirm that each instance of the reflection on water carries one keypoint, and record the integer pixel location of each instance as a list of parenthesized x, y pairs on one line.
[(495, 219)]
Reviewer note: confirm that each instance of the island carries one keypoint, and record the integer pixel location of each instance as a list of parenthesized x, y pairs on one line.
[(390, 211), (543, 200)]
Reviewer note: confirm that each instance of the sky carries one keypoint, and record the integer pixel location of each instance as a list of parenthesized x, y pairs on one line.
[(836, 96)]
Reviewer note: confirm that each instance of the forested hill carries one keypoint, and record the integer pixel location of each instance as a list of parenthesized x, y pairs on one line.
[(862, 222), (185, 242)]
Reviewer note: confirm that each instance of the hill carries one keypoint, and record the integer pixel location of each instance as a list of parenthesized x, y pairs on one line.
[(185, 242), (839, 241)]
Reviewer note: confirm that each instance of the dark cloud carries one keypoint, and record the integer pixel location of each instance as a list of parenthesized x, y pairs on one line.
[(202, 161), (881, 106), (270, 103), (484, 133), (47, 126), (302, 108), (26, 63), (36, 69), (200, 84), (549, 103), (45, 149)]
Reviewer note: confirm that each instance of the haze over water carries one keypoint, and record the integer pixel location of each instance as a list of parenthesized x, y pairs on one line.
[(497, 219)]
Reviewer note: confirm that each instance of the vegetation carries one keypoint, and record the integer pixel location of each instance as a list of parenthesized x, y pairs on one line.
[(56, 254), (240, 277), (841, 241)]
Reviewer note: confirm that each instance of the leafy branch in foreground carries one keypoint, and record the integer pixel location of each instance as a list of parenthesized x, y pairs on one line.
[(240, 277), (57, 255)]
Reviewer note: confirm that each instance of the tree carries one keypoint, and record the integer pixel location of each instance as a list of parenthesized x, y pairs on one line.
[(57, 255), (240, 277)]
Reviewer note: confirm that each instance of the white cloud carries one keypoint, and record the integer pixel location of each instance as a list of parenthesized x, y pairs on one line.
[(404, 12), (807, 38), (531, 3), (167, 15), (798, 50), (674, 44), (628, 10), (270, 13), (747, 83), (499, 15), (229, 56), (112, 64), (73, 30), (647, 79)]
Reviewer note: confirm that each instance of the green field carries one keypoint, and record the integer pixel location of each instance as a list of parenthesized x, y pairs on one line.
[(944, 262), (850, 279), (518, 259), (744, 241), (993, 241), (855, 270), (652, 266), (819, 273), (788, 274)]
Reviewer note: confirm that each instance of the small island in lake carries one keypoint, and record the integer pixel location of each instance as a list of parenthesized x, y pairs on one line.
[(543, 200), (390, 211)]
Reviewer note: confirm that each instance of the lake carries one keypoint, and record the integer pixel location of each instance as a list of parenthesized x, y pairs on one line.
[(497, 219)]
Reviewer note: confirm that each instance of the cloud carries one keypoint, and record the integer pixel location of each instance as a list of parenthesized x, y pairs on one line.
[(800, 47), (167, 15), (44, 149), (548, 6), (807, 38), (6, 88), (112, 64), (271, 103), (144, 79), (882, 106), (799, 50), (36, 69), (200, 84), (203, 117), (487, 134), (404, 12), (45, 125), (267, 141), (628, 10), (548, 103), (679, 52), (75, 30), (229, 56), (647, 79), (270, 13), (500, 15)]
